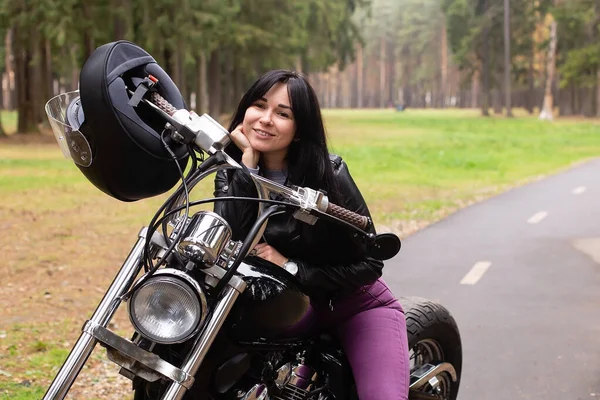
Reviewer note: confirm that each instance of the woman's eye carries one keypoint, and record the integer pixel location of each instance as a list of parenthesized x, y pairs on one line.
[(284, 114), (259, 105)]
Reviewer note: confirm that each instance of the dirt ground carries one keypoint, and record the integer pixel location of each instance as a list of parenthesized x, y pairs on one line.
[(56, 266)]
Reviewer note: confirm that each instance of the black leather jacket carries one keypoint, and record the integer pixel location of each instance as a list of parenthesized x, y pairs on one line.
[(331, 262)]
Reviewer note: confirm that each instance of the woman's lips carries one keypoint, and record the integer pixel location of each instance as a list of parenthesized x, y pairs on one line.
[(262, 133)]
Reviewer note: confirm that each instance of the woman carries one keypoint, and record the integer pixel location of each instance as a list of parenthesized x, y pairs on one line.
[(277, 131)]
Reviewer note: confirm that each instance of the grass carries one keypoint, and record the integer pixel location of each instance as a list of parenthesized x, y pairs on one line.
[(9, 121), (415, 164), (27, 364), (67, 239), (412, 164), (21, 391), (42, 355)]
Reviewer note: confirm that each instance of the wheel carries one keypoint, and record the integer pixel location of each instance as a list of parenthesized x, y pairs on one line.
[(433, 338)]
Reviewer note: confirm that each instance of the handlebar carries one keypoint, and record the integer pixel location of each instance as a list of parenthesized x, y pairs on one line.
[(360, 221), (162, 103), (310, 202)]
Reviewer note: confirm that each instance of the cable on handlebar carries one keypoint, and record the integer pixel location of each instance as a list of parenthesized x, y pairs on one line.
[(262, 218)]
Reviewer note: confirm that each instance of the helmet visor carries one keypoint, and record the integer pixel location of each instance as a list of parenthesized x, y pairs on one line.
[(66, 116)]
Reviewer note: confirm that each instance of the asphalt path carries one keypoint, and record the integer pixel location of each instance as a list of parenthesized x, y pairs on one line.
[(521, 274)]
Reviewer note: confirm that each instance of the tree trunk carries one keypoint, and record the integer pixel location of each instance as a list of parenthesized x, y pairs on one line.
[(359, 77), (485, 76), (25, 121), (119, 25), (507, 61), (333, 87), (215, 84), (406, 74), (598, 93), (382, 79), (37, 86), (48, 78), (74, 70), (530, 98), (9, 102), (475, 89), (202, 99), (485, 73), (227, 70), (391, 72), (88, 36), (443, 64), (2, 132), (345, 88), (123, 22), (238, 83), (546, 113), (298, 64), (497, 105), (178, 62)]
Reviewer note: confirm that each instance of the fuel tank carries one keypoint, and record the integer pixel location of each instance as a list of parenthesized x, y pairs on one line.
[(272, 306)]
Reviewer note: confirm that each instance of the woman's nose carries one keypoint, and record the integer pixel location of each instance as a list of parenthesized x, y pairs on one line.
[(266, 117)]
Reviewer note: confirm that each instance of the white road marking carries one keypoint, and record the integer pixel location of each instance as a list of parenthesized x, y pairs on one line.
[(590, 246), (579, 190), (475, 274), (537, 217)]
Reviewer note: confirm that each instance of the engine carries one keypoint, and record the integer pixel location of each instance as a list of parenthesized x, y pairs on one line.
[(293, 382)]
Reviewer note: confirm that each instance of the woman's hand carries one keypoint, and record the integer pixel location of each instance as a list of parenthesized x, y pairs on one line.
[(250, 156), (265, 251)]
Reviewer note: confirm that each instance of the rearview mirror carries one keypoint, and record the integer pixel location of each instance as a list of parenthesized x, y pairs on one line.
[(384, 247)]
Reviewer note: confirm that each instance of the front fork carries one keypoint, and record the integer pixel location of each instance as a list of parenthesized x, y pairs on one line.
[(192, 362), (95, 330), (104, 312)]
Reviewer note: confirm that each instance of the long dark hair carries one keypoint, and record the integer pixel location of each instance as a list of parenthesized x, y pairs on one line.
[(308, 156)]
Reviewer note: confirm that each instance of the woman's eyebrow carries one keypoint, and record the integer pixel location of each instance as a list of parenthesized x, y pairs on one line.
[(284, 106)]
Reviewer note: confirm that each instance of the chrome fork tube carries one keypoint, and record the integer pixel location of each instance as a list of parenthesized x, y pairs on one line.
[(104, 312), (204, 342)]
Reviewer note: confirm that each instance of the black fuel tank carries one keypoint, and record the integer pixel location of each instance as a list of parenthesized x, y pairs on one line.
[(273, 302)]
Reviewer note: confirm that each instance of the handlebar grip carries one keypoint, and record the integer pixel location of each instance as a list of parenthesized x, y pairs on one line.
[(360, 221), (162, 103)]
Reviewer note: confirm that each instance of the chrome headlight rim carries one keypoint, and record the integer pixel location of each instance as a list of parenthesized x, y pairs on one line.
[(185, 279)]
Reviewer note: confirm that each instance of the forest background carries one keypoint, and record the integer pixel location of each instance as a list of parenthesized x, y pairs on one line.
[(487, 54)]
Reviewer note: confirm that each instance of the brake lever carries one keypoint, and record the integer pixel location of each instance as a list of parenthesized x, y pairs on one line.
[(308, 200)]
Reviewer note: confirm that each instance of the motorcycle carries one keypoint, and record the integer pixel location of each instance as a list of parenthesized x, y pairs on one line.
[(209, 320)]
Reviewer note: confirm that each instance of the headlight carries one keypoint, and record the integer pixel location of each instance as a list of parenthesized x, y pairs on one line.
[(169, 307), (205, 238)]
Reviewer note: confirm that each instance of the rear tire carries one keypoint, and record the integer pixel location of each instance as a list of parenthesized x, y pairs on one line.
[(433, 338)]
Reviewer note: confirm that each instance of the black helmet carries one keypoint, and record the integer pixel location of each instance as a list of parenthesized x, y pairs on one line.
[(119, 147)]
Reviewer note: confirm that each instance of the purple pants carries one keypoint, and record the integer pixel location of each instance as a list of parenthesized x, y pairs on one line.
[(371, 327)]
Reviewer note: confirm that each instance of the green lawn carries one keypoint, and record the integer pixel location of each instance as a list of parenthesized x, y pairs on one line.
[(9, 121), (411, 166), (417, 163)]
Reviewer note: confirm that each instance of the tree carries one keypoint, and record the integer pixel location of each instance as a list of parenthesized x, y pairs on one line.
[(473, 26), (546, 113), (211, 47), (507, 58), (578, 55)]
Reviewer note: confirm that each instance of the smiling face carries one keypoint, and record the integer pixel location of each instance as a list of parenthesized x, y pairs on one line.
[(270, 127)]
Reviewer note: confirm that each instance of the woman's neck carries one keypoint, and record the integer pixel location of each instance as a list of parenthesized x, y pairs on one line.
[(274, 162)]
